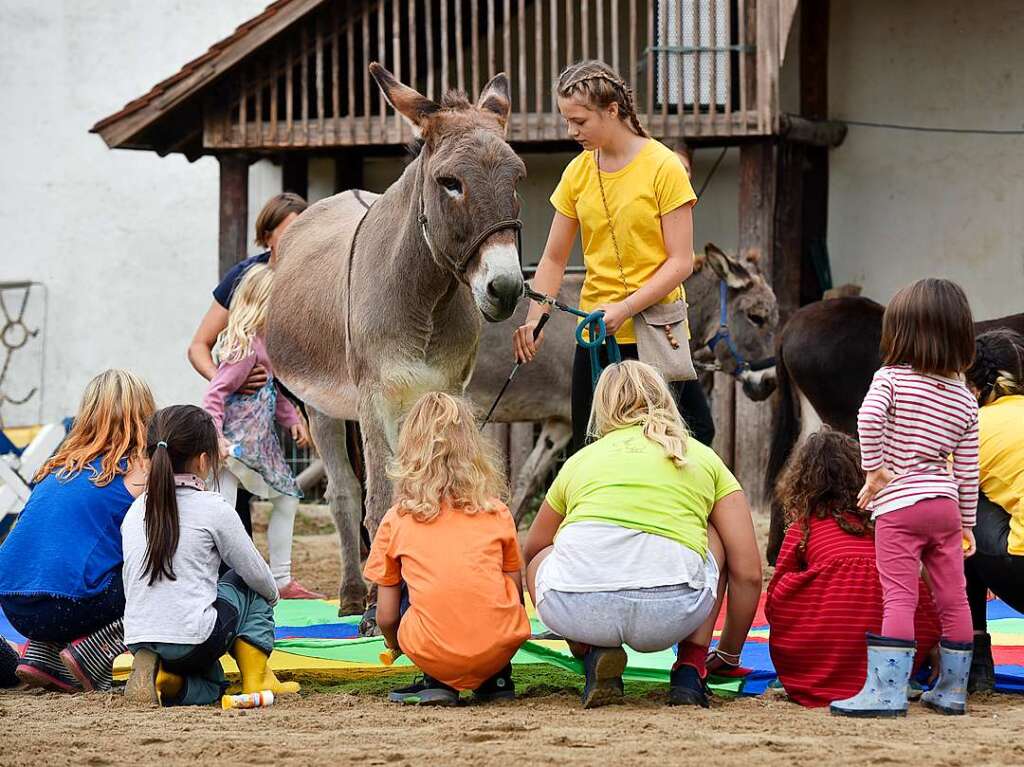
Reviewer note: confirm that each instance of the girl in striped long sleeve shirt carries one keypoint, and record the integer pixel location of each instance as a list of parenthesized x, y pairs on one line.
[(918, 428)]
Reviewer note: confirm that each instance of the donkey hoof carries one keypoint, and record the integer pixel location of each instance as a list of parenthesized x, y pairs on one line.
[(368, 625), (351, 608)]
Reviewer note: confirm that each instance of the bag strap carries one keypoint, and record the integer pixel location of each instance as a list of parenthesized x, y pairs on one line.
[(611, 224)]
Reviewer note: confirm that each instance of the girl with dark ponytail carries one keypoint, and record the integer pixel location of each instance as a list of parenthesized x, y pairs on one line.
[(179, 617), (630, 198), (997, 379)]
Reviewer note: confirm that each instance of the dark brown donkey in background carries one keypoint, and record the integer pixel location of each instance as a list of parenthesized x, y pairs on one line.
[(825, 358)]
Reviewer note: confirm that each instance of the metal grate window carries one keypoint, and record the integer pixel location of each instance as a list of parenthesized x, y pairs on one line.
[(695, 42)]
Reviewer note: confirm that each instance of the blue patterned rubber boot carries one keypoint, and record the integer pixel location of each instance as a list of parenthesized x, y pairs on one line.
[(885, 690), (949, 695)]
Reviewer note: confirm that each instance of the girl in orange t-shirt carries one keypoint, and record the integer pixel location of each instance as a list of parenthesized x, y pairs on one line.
[(446, 559)]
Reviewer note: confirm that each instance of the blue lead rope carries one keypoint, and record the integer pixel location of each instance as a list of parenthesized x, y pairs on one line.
[(593, 323)]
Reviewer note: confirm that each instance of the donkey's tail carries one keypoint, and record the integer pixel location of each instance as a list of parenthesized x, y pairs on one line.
[(785, 430)]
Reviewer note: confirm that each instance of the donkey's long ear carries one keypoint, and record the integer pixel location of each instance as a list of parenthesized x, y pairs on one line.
[(728, 268), (411, 104), (495, 98)]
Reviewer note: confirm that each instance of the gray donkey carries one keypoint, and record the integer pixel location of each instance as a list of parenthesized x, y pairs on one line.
[(374, 306)]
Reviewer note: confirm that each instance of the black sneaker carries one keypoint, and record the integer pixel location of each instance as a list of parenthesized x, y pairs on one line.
[(686, 688), (425, 691), (982, 677), (8, 663), (603, 667), (498, 687)]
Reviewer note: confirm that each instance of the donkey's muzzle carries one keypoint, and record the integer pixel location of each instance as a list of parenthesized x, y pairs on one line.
[(504, 291)]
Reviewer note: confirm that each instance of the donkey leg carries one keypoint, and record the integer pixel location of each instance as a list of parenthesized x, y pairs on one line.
[(553, 439), (376, 453), (344, 496)]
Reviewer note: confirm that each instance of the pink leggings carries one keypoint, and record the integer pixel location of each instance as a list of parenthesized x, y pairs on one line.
[(928, 532)]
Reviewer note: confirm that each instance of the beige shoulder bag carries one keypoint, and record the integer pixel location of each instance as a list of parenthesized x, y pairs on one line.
[(662, 330)]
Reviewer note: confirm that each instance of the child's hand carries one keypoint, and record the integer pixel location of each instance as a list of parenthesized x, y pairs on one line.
[(875, 482), (970, 546), (224, 446), (300, 434)]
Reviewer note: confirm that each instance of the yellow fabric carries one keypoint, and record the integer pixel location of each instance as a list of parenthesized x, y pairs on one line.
[(626, 479), (1001, 459), (653, 184)]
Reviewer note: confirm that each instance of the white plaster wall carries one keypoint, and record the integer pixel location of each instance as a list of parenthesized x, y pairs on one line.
[(126, 242), (908, 205)]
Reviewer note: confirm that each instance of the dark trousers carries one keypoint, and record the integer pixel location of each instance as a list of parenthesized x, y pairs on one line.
[(991, 568), (689, 395), (61, 619)]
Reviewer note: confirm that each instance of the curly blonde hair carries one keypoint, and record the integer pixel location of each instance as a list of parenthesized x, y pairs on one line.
[(443, 458), (633, 393), (247, 315), (111, 422)]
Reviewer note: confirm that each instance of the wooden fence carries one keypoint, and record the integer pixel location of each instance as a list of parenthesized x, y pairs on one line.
[(698, 68)]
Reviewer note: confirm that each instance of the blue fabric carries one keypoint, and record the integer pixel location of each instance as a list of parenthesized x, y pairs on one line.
[(67, 542), (224, 291)]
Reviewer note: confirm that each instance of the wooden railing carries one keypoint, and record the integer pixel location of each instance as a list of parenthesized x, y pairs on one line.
[(697, 67)]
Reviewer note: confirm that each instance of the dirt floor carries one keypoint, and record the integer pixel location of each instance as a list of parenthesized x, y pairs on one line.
[(342, 721)]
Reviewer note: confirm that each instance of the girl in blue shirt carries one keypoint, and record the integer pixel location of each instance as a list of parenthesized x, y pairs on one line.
[(60, 567)]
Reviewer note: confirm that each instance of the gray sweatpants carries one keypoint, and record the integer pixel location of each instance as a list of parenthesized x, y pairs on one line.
[(648, 620)]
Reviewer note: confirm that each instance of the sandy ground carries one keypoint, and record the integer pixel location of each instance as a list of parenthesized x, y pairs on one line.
[(325, 725)]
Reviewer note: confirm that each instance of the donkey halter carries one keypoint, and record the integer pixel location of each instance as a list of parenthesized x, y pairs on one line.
[(458, 265)]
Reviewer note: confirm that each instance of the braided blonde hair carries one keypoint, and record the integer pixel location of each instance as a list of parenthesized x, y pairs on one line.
[(597, 85)]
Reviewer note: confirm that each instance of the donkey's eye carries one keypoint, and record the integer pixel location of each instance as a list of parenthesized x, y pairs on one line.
[(757, 320), (451, 185)]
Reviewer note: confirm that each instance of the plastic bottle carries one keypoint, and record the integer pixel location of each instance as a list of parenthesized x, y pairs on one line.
[(248, 700)]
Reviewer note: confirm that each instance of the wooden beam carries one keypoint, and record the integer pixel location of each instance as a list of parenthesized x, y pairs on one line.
[(295, 173), (788, 249), (821, 133), (757, 189), (234, 210), (814, 34)]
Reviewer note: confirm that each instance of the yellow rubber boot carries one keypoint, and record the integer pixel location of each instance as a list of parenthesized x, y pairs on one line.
[(149, 683), (168, 684), (256, 674)]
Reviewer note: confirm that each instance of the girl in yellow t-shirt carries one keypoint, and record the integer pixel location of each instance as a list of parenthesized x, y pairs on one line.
[(649, 199), (997, 379)]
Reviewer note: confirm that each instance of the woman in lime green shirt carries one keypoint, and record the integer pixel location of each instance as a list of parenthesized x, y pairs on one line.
[(624, 549), (626, 177), (997, 378)]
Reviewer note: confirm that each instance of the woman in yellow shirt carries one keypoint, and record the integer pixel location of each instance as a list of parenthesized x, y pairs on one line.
[(997, 378), (650, 201)]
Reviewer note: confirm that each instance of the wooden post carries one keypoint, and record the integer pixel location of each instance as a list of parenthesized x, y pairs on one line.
[(348, 170), (814, 31), (295, 173), (723, 411), (757, 188), (234, 210)]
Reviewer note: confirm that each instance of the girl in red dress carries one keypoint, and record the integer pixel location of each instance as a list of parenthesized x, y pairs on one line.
[(825, 594)]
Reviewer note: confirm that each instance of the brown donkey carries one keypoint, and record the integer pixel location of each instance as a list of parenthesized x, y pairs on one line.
[(373, 307)]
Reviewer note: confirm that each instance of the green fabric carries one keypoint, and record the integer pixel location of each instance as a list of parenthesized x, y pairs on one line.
[(309, 612), (625, 479), (643, 667)]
